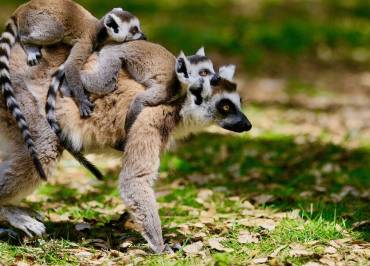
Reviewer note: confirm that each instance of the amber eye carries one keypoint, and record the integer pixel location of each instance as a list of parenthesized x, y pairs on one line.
[(226, 108), (204, 73)]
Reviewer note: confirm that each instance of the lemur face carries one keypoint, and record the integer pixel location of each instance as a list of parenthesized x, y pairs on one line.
[(122, 26), (222, 104), (190, 69)]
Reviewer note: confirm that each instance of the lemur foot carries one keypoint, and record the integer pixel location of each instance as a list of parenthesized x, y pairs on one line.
[(86, 108), (8, 233), (168, 249), (33, 56), (22, 219)]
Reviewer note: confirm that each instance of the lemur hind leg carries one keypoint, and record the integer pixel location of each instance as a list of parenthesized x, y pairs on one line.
[(18, 176), (37, 30), (15, 184)]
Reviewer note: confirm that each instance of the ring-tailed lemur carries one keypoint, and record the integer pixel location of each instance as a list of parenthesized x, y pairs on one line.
[(149, 64), (149, 136), (45, 22)]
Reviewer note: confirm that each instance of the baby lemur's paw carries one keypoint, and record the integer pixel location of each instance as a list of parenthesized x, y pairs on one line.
[(34, 58), (86, 108)]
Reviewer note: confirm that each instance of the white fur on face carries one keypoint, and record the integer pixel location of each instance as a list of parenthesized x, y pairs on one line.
[(123, 29), (134, 23)]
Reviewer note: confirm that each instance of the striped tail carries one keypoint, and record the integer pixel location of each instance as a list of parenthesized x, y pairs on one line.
[(56, 82), (7, 41)]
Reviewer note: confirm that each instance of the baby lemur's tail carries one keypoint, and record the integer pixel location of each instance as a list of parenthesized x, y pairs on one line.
[(56, 83), (7, 41)]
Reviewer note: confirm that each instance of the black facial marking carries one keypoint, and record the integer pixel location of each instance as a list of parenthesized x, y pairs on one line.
[(181, 67), (226, 107), (196, 59), (111, 23), (134, 30), (215, 81), (197, 92)]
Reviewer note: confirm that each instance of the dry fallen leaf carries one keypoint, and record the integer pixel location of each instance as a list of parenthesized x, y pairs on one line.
[(268, 224), (330, 250), (298, 250), (263, 199), (214, 243), (247, 237), (193, 249), (260, 260), (246, 204)]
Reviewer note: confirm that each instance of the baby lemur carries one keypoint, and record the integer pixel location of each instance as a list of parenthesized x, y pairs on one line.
[(46, 22), (149, 64)]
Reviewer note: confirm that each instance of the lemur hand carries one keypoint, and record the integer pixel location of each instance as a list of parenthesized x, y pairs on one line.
[(86, 107)]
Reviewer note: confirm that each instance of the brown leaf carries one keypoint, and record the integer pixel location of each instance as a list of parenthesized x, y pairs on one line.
[(263, 199), (260, 260), (247, 237), (193, 249), (214, 243), (298, 250), (268, 224), (330, 250)]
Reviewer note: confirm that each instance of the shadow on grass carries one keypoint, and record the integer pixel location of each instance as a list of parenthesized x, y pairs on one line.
[(322, 180)]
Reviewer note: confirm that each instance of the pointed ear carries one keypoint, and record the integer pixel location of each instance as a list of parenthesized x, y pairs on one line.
[(182, 66), (201, 52), (227, 72), (111, 23)]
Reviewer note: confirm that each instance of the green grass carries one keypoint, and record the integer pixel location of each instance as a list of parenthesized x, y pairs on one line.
[(230, 167)]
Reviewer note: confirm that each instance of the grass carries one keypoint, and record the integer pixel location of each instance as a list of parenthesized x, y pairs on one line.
[(234, 169)]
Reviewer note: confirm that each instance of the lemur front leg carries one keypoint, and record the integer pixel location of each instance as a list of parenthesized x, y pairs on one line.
[(139, 171), (78, 56)]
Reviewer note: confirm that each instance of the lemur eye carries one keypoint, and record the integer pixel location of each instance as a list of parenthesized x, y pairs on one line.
[(204, 72), (134, 30), (226, 107)]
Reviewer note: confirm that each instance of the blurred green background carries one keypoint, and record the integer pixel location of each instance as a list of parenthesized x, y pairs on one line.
[(269, 35)]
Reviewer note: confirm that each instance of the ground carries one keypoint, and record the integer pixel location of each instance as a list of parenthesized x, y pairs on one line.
[(293, 190)]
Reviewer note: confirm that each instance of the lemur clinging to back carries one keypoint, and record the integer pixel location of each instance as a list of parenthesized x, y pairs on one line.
[(46, 22), (147, 63)]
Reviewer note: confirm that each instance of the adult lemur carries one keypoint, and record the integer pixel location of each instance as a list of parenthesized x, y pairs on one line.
[(40, 23), (149, 64), (154, 128)]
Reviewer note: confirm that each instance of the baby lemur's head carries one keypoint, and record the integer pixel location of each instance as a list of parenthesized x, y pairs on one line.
[(122, 26), (211, 97)]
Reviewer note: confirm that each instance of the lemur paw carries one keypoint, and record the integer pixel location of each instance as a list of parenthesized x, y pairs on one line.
[(168, 249), (30, 226), (34, 58), (86, 108)]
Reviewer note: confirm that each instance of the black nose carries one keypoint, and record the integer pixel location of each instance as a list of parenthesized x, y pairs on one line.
[(143, 37), (242, 126)]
